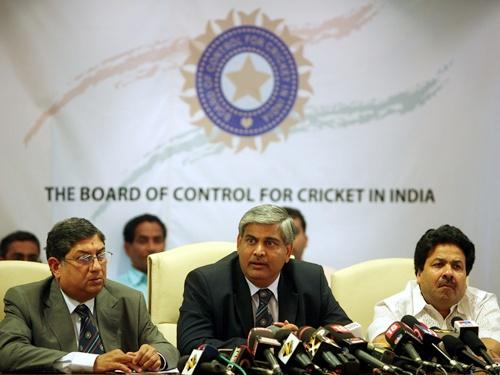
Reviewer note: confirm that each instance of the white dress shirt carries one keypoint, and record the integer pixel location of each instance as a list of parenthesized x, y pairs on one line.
[(77, 361), (477, 305)]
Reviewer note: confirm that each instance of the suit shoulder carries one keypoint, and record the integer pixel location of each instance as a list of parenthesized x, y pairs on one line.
[(120, 290), (33, 288), (218, 270), (303, 266)]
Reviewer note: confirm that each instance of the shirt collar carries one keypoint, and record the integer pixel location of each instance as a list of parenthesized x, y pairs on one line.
[(419, 305), (273, 287), (136, 277), (73, 303)]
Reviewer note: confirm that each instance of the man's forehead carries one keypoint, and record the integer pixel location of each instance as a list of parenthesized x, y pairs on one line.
[(446, 252), (88, 243), (263, 231)]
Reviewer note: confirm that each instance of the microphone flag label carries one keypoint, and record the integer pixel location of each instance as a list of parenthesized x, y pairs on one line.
[(192, 361), (466, 325), (312, 346), (288, 348)]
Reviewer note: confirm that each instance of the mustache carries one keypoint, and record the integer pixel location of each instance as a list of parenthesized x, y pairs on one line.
[(447, 281)]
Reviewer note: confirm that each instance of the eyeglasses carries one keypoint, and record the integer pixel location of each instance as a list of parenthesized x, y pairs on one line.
[(88, 259)]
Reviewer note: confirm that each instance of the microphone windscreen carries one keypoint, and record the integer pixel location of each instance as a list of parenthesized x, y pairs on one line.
[(209, 352), (410, 320), (256, 332), (338, 328), (453, 345), (355, 329), (339, 336), (274, 329), (282, 334), (182, 362), (456, 319), (473, 341), (306, 333)]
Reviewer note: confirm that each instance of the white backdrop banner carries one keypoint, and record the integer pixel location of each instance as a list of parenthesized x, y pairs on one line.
[(377, 119)]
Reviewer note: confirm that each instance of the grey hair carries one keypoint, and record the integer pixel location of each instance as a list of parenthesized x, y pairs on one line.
[(65, 234), (270, 214)]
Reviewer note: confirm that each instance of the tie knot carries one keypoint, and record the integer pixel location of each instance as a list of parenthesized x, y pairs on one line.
[(264, 296), (82, 310)]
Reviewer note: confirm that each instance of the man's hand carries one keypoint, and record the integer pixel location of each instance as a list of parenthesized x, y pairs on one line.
[(286, 325), (115, 360), (146, 358)]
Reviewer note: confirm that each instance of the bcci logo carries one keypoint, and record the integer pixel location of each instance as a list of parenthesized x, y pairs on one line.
[(246, 78)]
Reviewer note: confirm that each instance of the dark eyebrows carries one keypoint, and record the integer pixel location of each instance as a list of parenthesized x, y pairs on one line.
[(81, 252)]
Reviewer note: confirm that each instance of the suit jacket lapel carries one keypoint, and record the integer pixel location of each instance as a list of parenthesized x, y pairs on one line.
[(242, 298), (108, 320), (58, 318), (288, 298)]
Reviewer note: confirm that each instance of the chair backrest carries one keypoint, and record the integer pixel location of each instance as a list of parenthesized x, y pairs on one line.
[(166, 274), (360, 286), (17, 272)]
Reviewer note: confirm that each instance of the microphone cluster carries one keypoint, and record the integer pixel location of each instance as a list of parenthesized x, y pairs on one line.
[(334, 349)]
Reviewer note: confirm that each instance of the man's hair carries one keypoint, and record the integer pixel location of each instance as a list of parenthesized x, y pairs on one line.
[(444, 235), (65, 234), (270, 214), (296, 214), (129, 229), (19, 235)]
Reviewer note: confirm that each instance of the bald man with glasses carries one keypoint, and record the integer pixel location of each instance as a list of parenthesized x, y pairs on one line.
[(77, 320)]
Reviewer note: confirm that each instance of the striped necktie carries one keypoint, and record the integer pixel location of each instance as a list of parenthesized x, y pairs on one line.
[(263, 317), (89, 340)]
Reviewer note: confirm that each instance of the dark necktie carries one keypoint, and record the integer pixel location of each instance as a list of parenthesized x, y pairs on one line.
[(89, 340), (262, 316)]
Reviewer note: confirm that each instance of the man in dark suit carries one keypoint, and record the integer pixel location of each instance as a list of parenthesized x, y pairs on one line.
[(255, 286), (76, 320)]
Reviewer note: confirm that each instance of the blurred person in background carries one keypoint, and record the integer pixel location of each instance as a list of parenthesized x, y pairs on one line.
[(142, 235), (20, 245)]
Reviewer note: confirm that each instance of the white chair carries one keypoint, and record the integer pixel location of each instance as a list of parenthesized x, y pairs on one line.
[(17, 272), (166, 274), (359, 287)]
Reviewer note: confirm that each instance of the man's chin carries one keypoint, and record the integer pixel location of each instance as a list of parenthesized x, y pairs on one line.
[(95, 284)]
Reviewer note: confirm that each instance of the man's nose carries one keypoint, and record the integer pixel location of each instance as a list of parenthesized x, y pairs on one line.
[(448, 271), (154, 247), (95, 265), (259, 249)]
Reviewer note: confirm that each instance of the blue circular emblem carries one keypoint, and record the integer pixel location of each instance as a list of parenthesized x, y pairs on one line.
[(272, 101)]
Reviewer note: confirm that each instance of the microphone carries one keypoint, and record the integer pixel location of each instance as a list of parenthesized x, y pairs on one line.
[(402, 339), (200, 360), (262, 343), (457, 348), (320, 348), (212, 367), (355, 329), (431, 341), (241, 356), (389, 357), (474, 342), (358, 347), (292, 352), (468, 332), (461, 325)]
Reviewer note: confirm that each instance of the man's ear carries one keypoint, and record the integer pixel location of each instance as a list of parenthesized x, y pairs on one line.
[(289, 251), (417, 276), (54, 265), (127, 247)]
